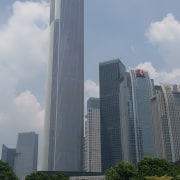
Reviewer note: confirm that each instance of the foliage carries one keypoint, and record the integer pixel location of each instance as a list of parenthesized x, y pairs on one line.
[(59, 177), (176, 172), (125, 170), (44, 176), (111, 174), (177, 177), (158, 178), (6, 172), (38, 176), (122, 171), (154, 167)]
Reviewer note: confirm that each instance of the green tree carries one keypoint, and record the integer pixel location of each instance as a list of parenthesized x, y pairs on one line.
[(176, 172), (111, 174), (121, 171), (59, 176), (38, 176), (154, 167), (125, 170), (6, 172)]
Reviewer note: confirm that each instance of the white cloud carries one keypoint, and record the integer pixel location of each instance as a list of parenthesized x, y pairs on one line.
[(167, 30), (29, 111), (172, 76), (23, 57), (24, 39), (23, 115), (165, 34), (91, 89)]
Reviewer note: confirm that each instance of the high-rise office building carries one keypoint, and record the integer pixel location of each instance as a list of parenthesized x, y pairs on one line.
[(111, 73), (26, 154), (8, 155), (166, 113), (142, 91), (64, 118), (127, 120), (92, 137), (160, 123)]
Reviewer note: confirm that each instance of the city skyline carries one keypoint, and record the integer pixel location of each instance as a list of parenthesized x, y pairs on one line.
[(122, 32)]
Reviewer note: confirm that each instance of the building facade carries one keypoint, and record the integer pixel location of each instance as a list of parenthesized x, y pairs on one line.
[(127, 120), (65, 92), (111, 73), (26, 154), (8, 155), (142, 92), (166, 113), (92, 137)]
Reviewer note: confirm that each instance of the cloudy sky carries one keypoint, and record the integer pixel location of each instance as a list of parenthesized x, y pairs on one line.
[(143, 34)]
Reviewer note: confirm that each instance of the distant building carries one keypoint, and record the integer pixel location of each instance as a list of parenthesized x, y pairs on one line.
[(111, 73), (142, 91), (8, 155), (92, 137), (26, 154), (166, 113), (127, 132)]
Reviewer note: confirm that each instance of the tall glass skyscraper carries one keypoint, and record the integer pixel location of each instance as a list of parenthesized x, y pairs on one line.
[(111, 73), (142, 91), (26, 154), (166, 112), (65, 92), (127, 120)]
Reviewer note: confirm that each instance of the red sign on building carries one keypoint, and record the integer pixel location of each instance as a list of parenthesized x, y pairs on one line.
[(140, 73)]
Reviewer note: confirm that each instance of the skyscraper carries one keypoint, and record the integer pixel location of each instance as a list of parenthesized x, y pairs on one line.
[(142, 91), (166, 111), (111, 73), (92, 137), (26, 154), (127, 120), (65, 91), (8, 155)]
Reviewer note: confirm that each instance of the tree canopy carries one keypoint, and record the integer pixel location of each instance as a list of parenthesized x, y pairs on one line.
[(121, 171), (154, 167), (44, 176), (6, 172), (38, 176), (147, 168), (59, 177)]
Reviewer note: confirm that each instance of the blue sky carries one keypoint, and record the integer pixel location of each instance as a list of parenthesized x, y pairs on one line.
[(144, 34)]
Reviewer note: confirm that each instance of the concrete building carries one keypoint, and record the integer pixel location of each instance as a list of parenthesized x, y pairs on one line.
[(111, 73), (64, 117), (8, 155), (92, 137), (26, 154)]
